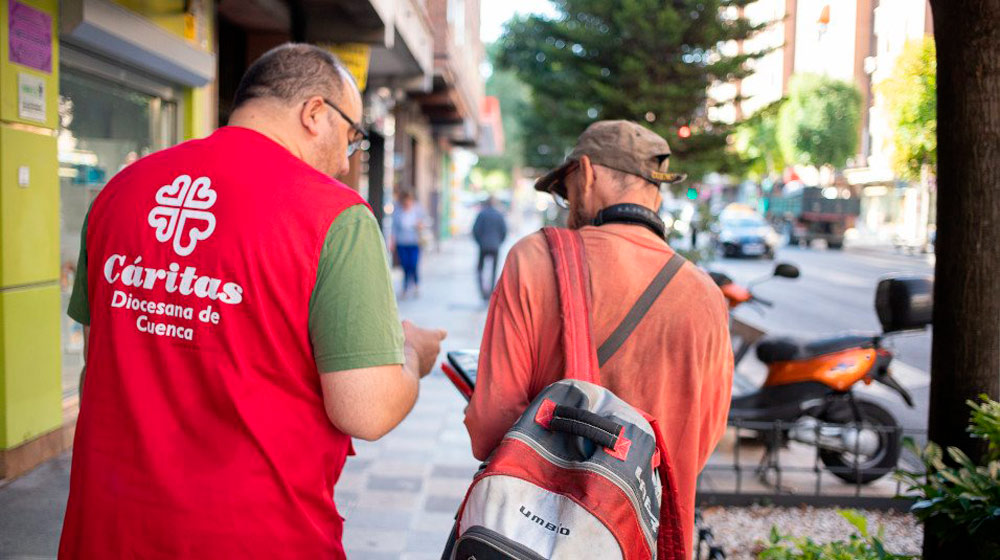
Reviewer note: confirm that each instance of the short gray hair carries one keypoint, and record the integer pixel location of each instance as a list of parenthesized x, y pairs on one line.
[(291, 72), (624, 181)]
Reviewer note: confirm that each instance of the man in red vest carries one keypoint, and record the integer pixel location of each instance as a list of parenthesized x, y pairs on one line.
[(242, 328)]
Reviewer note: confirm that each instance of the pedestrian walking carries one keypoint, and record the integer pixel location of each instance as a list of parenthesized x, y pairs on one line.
[(409, 225), (489, 231), (677, 365), (241, 330)]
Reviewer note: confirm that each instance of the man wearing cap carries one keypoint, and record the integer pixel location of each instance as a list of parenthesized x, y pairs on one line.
[(678, 363)]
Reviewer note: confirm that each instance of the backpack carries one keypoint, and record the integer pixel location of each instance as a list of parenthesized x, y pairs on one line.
[(582, 474)]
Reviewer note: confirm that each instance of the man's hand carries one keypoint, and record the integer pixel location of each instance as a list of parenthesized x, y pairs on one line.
[(368, 402), (422, 346)]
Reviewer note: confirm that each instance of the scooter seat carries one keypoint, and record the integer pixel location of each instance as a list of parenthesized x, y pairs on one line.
[(786, 349)]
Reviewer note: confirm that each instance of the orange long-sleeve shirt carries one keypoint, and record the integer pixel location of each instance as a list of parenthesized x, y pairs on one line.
[(677, 365)]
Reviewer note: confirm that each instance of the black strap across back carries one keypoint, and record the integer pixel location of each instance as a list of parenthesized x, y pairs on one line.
[(639, 310)]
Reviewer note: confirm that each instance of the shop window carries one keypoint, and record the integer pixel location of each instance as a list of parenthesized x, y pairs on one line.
[(104, 126)]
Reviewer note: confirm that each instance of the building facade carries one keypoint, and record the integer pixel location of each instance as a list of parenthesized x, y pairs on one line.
[(88, 86), (892, 210), (857, 41)]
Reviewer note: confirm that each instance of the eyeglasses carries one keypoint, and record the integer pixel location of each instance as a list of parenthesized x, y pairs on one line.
[(560, 201), (359, 133), (563, 201)]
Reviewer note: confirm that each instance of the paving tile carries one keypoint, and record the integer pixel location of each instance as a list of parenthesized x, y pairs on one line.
[(350, 481), (367, 518), (357, 464), (434, 521), (443, 504), (420, 556), (363, 553), (459, 470), (397, 466), (396, 483), (383, 500), (455, 436), (448, 487), (426, 541), (417, 459), (420, 440), (455, 454), (367, 449), (344, 497)]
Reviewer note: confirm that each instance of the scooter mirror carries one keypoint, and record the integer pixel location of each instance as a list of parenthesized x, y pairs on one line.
[(785, 270)]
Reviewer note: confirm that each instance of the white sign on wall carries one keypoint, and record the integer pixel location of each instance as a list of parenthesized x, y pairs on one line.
[(30, 97)]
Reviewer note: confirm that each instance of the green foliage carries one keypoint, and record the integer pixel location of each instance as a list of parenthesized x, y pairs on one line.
[(491, 180), (860, 545), (756, 142), (514, 97), (819, 123), (963, 500), (642, 60), (984, 423), (910, 95)]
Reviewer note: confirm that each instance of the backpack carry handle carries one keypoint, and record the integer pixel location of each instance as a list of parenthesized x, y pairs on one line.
[(602, 431)]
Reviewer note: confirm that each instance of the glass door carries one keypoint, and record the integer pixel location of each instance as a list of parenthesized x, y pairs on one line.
[(107, 121)]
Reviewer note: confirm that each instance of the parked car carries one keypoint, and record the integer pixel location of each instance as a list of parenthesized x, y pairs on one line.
[(744, 232)]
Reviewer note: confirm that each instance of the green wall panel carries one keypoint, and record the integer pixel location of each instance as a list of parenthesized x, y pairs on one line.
[(29, 215), (30, 375)]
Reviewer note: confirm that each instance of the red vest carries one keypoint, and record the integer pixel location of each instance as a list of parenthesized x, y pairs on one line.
[(202, 431)]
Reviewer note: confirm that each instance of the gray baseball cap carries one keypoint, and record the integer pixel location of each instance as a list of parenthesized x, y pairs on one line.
[(622, 145)]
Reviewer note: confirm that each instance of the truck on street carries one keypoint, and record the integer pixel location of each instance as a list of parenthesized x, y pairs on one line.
[(805, 215)]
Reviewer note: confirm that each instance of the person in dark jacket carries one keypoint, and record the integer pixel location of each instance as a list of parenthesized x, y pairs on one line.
[(489, 231)]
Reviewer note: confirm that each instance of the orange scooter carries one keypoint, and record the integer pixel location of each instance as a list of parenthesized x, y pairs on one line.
[(808, 388)]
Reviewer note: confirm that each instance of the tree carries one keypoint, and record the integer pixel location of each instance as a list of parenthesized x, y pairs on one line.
[(910, 94), (965, 355), (514, 98), (648, 61), (818, 124), (756, 142)]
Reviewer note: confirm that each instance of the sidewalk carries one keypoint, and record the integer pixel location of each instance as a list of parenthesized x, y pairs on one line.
[(399, 495)]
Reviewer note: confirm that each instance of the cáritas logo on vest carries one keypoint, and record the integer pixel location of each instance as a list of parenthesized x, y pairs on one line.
[(117, 269), (182, 213), (548, 525)]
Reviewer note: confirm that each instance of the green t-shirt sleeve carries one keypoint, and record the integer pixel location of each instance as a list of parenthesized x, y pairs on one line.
[(353, 320), (79, 306)]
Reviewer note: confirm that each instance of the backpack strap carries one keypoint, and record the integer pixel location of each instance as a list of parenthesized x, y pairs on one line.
[(573, 279), (670, 538), (639, 310)]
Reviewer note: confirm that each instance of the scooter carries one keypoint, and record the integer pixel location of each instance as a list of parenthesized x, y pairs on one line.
[(807, 395)]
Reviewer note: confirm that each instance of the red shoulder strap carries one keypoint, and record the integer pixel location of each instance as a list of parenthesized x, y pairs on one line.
[(573, 279), (670, 541)]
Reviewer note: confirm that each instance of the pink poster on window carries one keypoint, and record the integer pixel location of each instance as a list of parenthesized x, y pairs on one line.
[(30, 36)]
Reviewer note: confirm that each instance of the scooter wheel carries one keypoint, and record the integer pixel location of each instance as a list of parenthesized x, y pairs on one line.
[(877, 424)]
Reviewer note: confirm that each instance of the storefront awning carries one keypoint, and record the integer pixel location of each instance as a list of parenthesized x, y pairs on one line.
[(119, 33)]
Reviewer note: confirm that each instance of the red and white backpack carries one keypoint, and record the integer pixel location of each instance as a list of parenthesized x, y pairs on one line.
[(582, 474)]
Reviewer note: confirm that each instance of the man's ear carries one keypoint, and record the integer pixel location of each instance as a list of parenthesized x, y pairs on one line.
[(587, 173), (310, 114)]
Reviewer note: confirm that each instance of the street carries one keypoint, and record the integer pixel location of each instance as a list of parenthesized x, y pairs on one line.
[(835, 294), (399, 494)]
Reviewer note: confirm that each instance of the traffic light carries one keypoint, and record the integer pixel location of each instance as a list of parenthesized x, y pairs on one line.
[(692, 193), (684, 131)]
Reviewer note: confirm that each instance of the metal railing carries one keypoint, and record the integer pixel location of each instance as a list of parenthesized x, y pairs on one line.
[(706, 548), (772, 462)]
